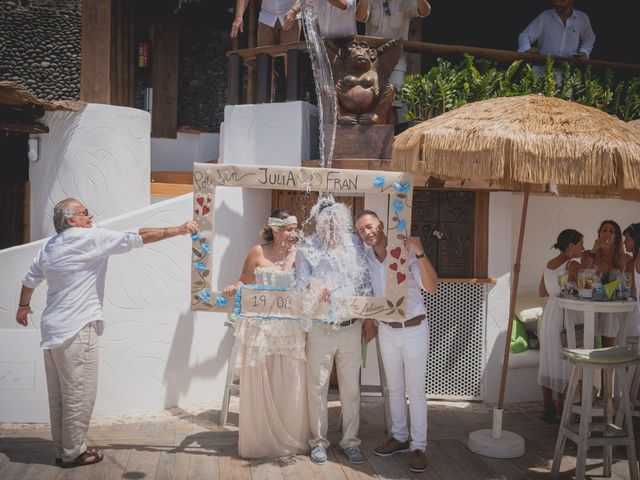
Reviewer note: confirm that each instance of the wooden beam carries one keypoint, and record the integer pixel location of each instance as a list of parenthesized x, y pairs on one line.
[(170, 189), (164, 77), (23, 127), (438, 49), (122, 54), (481, 236), (95, 69), (172, 177)]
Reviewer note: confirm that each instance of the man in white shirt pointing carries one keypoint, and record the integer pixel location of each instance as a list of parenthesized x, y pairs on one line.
[(74, 264), (561, 32), (404, 345)]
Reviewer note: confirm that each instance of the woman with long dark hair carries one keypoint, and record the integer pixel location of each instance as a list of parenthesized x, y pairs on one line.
[(553, 371), (607, 254)]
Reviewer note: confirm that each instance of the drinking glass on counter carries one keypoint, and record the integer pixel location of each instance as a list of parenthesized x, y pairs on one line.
[(585, 282)]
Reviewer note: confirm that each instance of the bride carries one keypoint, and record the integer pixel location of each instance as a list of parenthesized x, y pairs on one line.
[(269, 355)]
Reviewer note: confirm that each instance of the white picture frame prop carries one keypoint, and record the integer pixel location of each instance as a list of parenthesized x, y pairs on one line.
[(268, 303)]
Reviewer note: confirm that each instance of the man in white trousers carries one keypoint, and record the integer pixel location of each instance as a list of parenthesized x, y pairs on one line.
[(404, 345), (74, 264)]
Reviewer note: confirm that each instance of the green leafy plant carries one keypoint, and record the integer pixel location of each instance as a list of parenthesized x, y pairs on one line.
[(447, 86)]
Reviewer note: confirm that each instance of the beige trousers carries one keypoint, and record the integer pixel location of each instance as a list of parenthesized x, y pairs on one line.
[(72, 382), (324, 342)]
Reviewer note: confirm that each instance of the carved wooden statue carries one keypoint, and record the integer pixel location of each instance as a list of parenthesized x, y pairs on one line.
[(361, 73)]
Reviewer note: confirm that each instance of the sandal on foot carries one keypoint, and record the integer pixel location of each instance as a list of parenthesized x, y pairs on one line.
[(89, 457), (550, 416)]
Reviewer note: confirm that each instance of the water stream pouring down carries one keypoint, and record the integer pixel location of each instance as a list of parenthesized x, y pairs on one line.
[(323, 79)]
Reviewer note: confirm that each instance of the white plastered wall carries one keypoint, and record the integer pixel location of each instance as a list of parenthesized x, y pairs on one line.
[(99, 155), (179, 154), (155, 352)]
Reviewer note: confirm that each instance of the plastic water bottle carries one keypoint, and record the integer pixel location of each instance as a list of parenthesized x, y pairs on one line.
[(598, 290)]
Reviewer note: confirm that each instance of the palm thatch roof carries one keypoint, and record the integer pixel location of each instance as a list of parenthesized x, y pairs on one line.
[(635, 124), (527, 140)]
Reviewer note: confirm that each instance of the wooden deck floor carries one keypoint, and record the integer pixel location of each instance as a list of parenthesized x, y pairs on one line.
[(193, 447)]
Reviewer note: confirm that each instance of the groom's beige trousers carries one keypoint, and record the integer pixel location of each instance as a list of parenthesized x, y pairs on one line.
[(324, 342)]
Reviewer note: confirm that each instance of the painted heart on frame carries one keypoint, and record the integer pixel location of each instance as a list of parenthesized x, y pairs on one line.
[(200, 200), (402, 261), (400, 277), (394, 266), (395, 252), (205, 210)]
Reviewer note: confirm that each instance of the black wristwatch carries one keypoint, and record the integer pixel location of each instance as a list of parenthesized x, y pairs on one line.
[(420, 255)]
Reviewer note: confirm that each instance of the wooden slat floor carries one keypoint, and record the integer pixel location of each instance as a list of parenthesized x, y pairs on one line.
[(194, 447)]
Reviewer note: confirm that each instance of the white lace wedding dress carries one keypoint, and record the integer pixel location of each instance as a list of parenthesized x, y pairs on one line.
[(269, 356)]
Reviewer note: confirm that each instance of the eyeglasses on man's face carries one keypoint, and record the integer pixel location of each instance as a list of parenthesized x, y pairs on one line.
[(82, 213)]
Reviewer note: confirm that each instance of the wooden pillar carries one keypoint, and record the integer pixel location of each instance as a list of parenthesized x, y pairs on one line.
[(95, 69), (252, 32), (234, 82), (294, 73), (107, 68), (122, 54), (263, 78), (164, 76)]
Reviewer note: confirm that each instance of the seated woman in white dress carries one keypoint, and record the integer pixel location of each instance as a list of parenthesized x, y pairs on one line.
[(553, 371), (269, 355)]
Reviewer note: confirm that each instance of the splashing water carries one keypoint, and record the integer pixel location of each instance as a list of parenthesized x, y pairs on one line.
[(323, 79), (335, 266)]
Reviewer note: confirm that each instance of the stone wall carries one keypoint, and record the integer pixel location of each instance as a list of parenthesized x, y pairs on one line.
[(40, 48), (202, 92)]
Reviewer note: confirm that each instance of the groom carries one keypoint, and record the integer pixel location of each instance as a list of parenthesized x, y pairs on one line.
[(331, 264)]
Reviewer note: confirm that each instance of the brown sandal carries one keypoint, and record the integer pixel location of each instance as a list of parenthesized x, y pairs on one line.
[(83, 459)]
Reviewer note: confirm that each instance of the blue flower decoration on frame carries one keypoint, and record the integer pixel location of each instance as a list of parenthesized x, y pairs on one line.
[(221, 301), (195, 236), (402, 187), (378, 182), (206, 248), (205, 295), (402, 224), (200, 266), (397, 206)]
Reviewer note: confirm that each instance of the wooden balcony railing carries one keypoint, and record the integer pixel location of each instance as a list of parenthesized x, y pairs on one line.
[(259, 60)]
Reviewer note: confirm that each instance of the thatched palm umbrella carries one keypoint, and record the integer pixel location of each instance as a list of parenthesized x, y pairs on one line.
[(525, 143)]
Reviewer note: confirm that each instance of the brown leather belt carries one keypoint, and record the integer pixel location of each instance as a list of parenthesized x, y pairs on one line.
[(412, 322)]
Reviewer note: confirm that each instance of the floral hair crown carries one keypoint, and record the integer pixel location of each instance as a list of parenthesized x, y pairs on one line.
[(282, 222)]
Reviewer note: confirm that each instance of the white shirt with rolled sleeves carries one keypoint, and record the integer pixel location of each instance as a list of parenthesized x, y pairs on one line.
[(334, 22), (377, 270), (74, 264), (556, 38), (273, 10)]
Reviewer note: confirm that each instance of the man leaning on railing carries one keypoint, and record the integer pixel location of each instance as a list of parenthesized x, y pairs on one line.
[(561, 32)]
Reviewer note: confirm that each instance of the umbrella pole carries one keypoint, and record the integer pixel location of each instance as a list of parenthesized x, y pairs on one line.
[(512, 299), (496, 443)]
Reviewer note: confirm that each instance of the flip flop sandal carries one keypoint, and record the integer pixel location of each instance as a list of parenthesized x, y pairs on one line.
[(81, 459)]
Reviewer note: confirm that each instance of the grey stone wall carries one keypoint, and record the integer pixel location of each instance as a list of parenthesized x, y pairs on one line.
[(40, 48), (202, 86)]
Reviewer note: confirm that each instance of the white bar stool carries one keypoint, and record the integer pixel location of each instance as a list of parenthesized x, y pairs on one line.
[(607, 433)]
